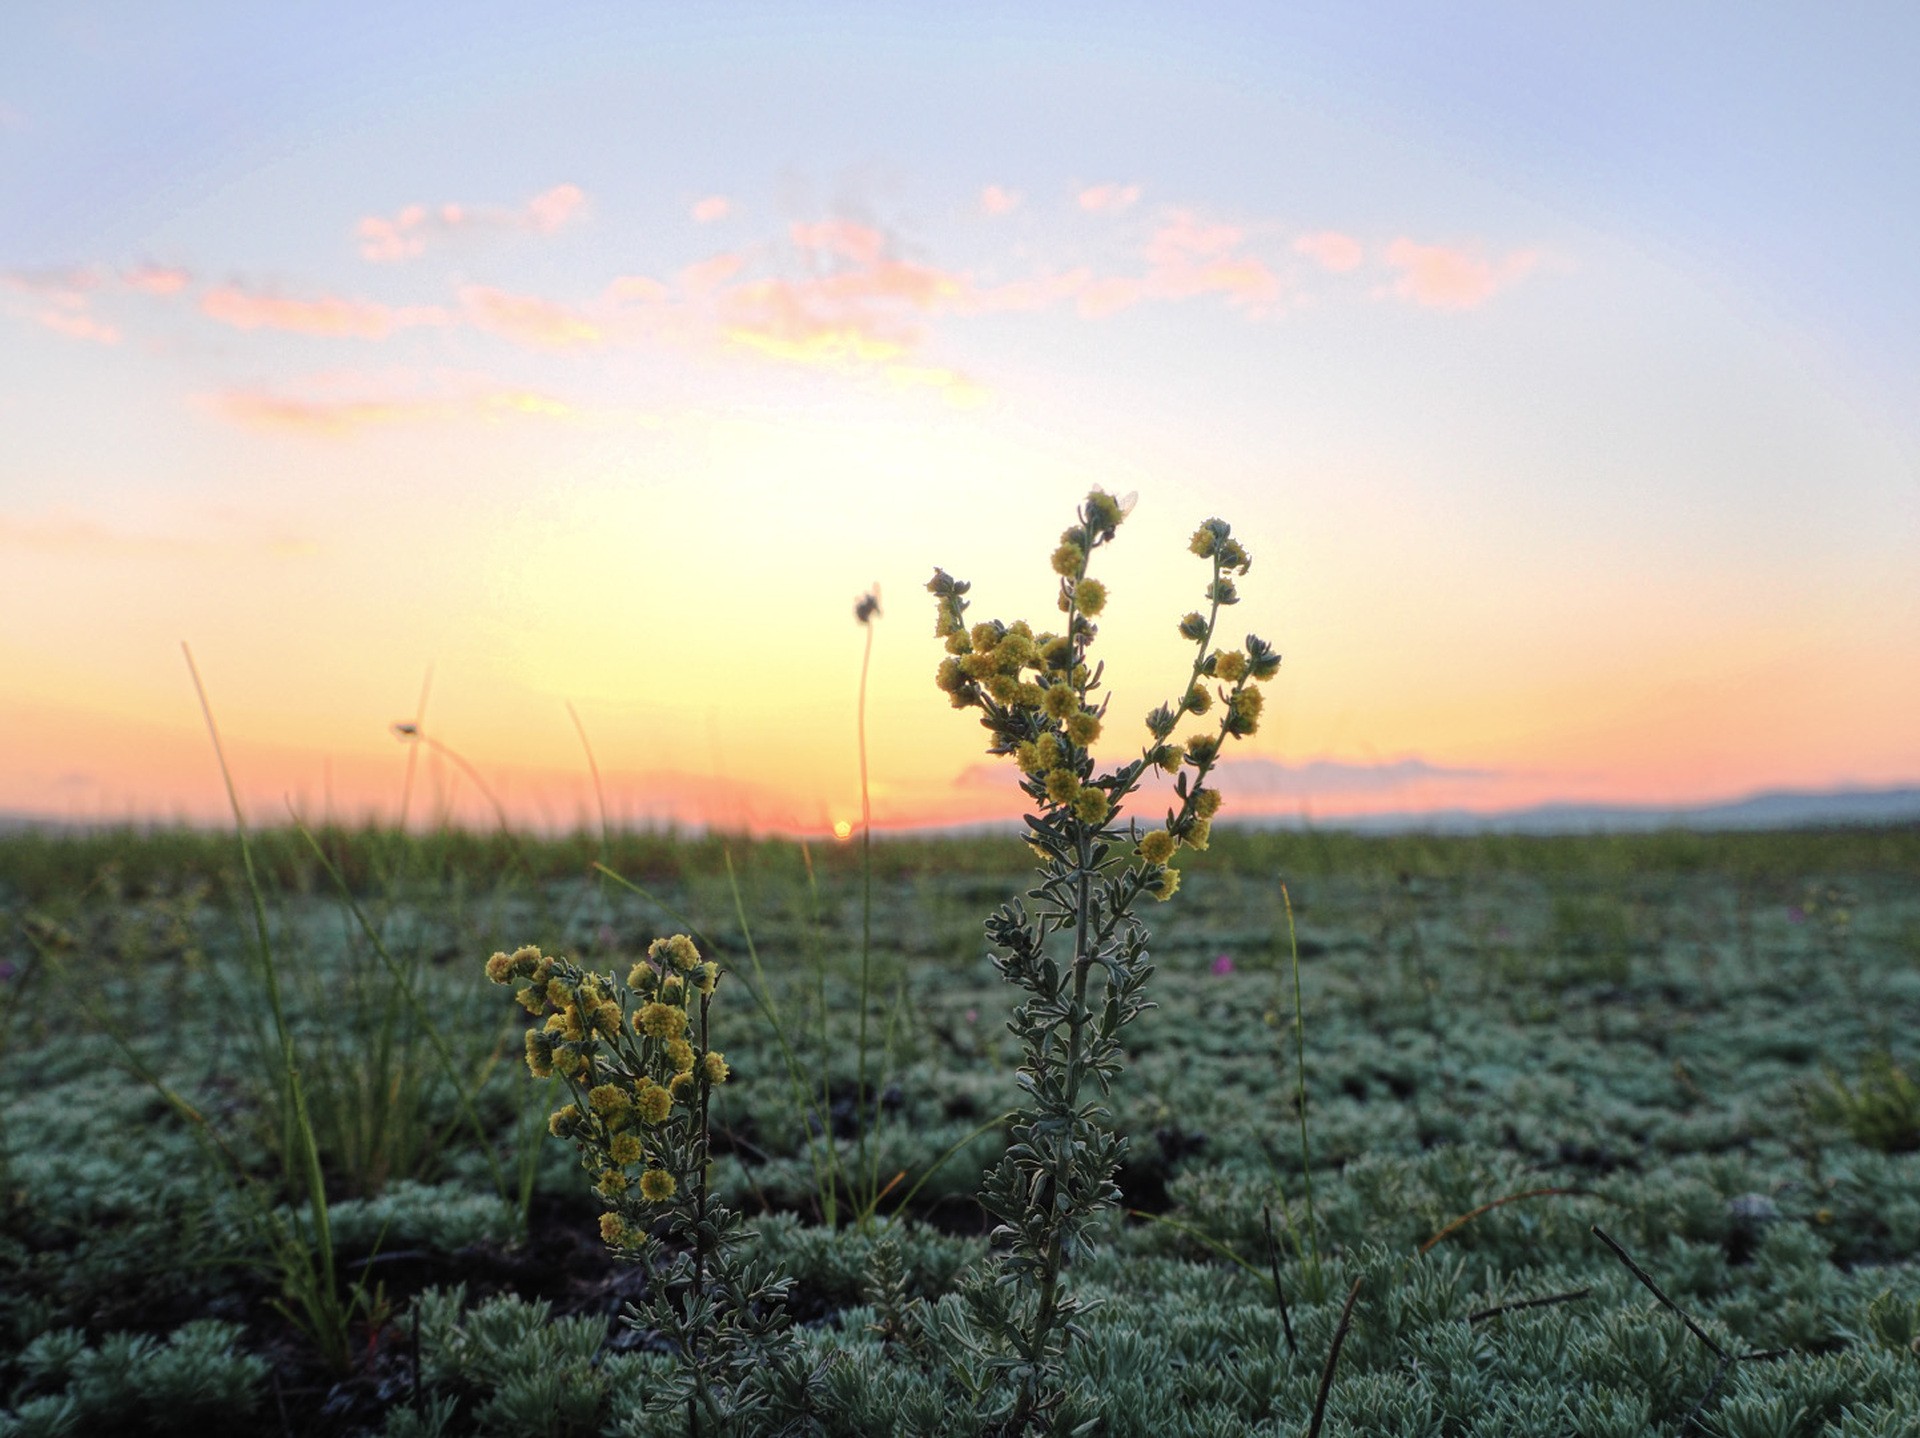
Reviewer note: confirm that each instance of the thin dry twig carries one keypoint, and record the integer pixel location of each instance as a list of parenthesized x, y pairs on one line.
[(1693, 1414), (1464, 1219), (1333, 1358), (1273, 1261), (1518, 1304), (1727, 1360), (1640, 1273)]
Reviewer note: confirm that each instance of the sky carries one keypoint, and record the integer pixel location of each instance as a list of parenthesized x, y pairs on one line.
[(559, 378)]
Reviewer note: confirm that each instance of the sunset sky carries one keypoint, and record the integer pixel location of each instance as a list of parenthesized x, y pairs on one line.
[(1559, 366)]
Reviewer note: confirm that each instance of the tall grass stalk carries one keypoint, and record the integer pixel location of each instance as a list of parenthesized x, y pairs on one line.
[(436, 1039), (413, 750), (310, 1297), (866, 611), (827, 1175), (303, 1256), (1315, 1273), (599, 791), (830, 1210)]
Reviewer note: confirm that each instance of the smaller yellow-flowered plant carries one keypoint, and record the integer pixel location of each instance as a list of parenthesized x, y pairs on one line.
[(624, 1053), (640, 1075)]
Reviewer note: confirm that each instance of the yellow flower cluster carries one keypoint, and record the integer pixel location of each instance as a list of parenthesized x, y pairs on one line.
[(1033, 691), (1033, 685), (628, 1054)]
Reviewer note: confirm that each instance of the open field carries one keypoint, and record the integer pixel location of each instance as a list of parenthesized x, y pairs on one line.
[(1707, 1047)]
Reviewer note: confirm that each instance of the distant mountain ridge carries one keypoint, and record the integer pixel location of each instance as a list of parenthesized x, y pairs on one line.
[(1769, 809)]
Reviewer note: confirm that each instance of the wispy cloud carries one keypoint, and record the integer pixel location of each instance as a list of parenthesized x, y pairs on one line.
[(1442, 277), (61, 300), (705, 276), (385, 239), (329, 315), (1108, 199), (1038, 292), (552, 209), (338, 406), (70, 534), (80, 536), (156, 279), (79, 325), (72, 285), (998, 200), (855, 304), (529, 319), (1331, 250), (713, 207), (1188, 256), (847, 239), (1108, 295)]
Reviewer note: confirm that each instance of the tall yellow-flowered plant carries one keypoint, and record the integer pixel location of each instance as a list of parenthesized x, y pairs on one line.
[(1038, 693), (636, 1062)]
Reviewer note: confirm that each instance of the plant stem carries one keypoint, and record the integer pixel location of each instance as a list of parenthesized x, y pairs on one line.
[(703, 1152), (869, 1169), (1315, 1278), (1082, 964)]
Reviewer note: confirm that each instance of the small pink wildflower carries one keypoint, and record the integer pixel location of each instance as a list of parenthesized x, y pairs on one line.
[(1222, 965), (1796, 915)]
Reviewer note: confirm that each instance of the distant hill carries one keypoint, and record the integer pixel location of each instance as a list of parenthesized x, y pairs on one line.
[(1771, 809)]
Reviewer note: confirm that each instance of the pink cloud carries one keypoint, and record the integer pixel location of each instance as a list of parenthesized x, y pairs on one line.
[(922, 287), (998, 200), (79, 325), (64, 533), (1185, 238), (862, 310), (1243, 279), (636, 289), (1023, 296), (528, 319), (384, 241), (1108, 199), (551, 209), (705, 276), (61, 287), (335, 416), (1187, 257), (282, 414), (387, 239), (713, 207), (861, 244), (1441, 277), (156, 280), (1331, 250), (1108, 295), (796, 322), (328, 315)]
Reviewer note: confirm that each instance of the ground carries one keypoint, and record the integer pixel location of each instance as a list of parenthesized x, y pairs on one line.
[(1529, 1067)]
